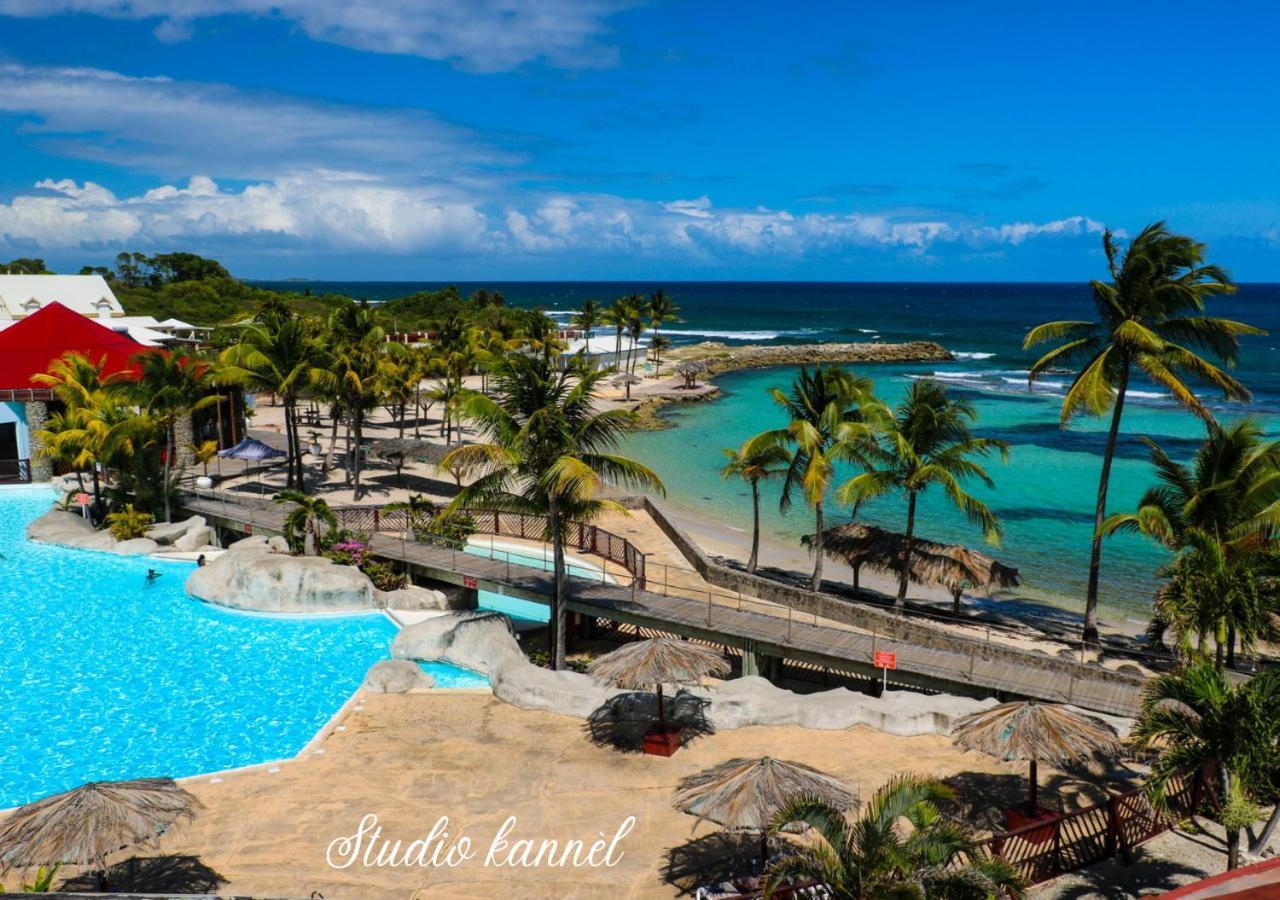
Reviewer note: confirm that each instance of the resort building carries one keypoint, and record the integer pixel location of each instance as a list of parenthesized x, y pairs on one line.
[(91, 296)]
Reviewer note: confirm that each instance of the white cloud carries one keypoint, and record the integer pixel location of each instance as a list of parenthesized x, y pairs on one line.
[(479, 35), (176, 127)]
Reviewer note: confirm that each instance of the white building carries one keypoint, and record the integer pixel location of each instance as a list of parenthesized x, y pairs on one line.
[(90, 296)]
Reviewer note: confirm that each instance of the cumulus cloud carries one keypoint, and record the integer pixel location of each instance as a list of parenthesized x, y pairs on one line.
[(176, 127), (479, 35)]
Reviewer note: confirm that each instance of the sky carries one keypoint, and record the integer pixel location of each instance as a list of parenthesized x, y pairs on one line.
[(599, 139)]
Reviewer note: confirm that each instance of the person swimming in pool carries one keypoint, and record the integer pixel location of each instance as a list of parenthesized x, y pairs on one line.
[(152, 574)]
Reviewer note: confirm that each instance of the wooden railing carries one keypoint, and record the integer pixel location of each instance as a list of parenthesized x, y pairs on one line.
[(15, 471), (582, 536)]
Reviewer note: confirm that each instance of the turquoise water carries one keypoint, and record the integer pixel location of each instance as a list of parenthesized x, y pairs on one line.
[(528, 610), (109, 676), (1044, 494)]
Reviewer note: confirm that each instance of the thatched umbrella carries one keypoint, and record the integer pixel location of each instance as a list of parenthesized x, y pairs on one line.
[(1028, 731), (948, 565), (83, 826), (397, 450), (655, 662), (745, 794), (626, 379), (689, 370)]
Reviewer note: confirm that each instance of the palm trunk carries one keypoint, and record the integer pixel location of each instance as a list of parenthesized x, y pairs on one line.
[(359, 435), (1090, 635), (558, 591), (815, 583), (904, 576), (755, 527), (417, 411), (347, 440), (1233, 834), (290, 443), (168, 469), (1257, 846), (617, 348), (402, 411), (333, 443)]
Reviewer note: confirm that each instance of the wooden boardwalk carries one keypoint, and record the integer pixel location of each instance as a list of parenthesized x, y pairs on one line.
[(957, 666)]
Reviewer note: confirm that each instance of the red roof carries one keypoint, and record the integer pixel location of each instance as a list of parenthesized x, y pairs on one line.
[(28, 346), (1257, 882)]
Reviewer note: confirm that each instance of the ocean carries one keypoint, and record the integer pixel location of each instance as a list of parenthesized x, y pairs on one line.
[(1044, 494)]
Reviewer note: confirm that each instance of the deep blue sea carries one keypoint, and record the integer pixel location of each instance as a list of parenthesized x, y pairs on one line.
[(1044, 494)]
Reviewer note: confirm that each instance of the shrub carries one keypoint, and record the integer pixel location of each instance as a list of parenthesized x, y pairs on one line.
[(451, 531), (349, 551), (543, 658), (129, 523), (384, 576)]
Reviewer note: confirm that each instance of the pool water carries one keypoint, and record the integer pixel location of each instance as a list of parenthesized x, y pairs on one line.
[(528, 610), (104, 675)]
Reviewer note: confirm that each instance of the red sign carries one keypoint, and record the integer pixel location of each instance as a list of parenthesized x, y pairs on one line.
[(886, 660), (468, 581), (83, 499), (248, 528)]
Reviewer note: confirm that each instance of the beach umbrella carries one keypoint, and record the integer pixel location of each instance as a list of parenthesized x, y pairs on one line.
[(689, 370), (83, 826), (1029, 731), (656, 662), (402, 448), (251, 450), (948, 565), (745, 794), (626, 379)]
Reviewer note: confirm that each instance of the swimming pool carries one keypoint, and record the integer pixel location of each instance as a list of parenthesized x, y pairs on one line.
[(104, 675), (520, 554)]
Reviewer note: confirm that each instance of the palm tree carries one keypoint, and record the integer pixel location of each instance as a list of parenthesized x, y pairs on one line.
[(1219, 514), (832, 414), (350, 370), (928, 442), (618, 314), (171, 388), (545, 451), (900, 846), (661, 310), (276, 354), (637, 322), (1197, 720), (1150, 317), (305, 519), (81, 386), (754, 462), (588, 316)]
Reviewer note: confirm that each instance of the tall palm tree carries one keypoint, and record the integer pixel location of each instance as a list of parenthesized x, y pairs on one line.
[(637, 322), (661, 310), (832, 419), (588, 316), (1196, 719), (1150, 318), (170, 388), (276, 354), (928, 442), (349, 370), (79, 383), (617, 315), (305, 519), (754, 462), (545, 451), (1219, 513), (900, 846)]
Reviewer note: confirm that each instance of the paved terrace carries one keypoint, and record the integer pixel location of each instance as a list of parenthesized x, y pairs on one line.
[(760, 629)]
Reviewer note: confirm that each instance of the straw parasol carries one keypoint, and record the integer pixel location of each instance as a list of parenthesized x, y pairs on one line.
[(83, 826), (391, 448), (949, 565), (652, 663), (745, 794), (626, 379), (1028, 731), (689, 370)]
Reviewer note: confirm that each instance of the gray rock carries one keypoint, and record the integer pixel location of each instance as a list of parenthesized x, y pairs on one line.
[(252, 542), (136, 547), (268, 582), (485, 642), (69, 530), (167, 532), (194, 539), (396, 676), (277, 544), (413, 597)]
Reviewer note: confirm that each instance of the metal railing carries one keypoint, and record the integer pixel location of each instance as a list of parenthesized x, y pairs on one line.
[(15, 471)]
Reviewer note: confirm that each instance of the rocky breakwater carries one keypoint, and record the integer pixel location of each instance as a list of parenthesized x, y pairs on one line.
[(486, 643), (721, 358), (254, 576)]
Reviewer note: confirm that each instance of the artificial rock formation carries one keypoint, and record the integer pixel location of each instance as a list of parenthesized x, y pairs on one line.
[(252, 577), (396, 676), (485, 642)]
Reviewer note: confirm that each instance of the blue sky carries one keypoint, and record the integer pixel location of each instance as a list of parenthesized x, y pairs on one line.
[(597, 139)]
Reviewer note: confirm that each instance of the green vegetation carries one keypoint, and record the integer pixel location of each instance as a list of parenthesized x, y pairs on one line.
[(900, 845), (1150, 316), (129, 523), (545, 452), (754, 463), (302, 522)]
